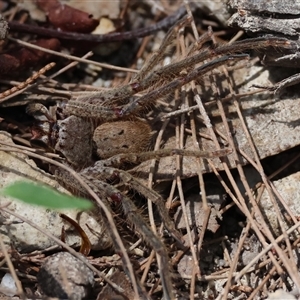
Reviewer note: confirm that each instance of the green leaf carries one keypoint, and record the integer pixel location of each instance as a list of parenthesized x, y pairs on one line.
[(41, 195)]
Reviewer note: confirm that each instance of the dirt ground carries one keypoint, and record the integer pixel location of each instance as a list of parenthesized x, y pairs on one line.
[(182, 131)]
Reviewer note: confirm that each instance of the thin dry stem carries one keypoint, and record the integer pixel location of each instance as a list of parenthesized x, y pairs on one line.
[(71, 65), (150, 182), (28, 81), (247, 188), (235, 260), (291, 269), (179, 142), (205, 206), (11, 268), (71, 57)]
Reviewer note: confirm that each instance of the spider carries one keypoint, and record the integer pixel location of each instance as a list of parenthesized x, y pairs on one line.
[(112, 126)]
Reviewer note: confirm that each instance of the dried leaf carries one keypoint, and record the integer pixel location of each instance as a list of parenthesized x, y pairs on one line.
[(85, 246), (67, 18), (23, 58)]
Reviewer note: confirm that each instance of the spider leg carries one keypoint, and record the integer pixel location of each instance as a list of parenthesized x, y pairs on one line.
[(133, 215), (177, 83), (79, 106), (158, 55), (173, 70), (136, 158), (105, 114), (103, 190), (281, 85), (103, 169), (98, 170), (89, 106)]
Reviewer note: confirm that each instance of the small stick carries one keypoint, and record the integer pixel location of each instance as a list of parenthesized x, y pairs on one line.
[(12, 269), (100, 38), (281, 85)]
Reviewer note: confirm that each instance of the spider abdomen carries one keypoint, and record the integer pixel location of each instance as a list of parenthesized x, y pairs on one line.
[(122, 137)]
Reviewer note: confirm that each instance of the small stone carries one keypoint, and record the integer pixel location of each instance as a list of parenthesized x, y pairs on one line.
[(8, 285), (288, 187), (66, 277), (281, 294)]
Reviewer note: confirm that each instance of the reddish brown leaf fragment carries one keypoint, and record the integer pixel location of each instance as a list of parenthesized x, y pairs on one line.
[(67, 18), (28, 81), (25, 57), (100, 38), (63, 234), (8, 63), (32, 56), (85, 247)]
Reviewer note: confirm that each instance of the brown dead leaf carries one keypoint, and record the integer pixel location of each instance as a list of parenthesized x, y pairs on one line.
[(22, 58), (67, 18)]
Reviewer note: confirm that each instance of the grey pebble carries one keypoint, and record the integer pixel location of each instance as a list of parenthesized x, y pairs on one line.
[(66, 277)]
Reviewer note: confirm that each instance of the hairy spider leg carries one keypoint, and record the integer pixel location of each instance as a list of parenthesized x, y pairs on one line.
[(90, 106), (136, 158), (177, 83), (133, 215), (106, 114), (158, 55)]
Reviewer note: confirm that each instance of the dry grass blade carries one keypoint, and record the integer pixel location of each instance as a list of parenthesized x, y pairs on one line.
[(12, 270), (72, 57)]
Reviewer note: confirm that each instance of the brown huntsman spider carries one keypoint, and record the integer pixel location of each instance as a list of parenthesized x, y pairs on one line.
[(105, 134)]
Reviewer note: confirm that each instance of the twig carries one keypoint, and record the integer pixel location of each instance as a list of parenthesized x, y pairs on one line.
[(100, 38), (11, 268), (72, 57)]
